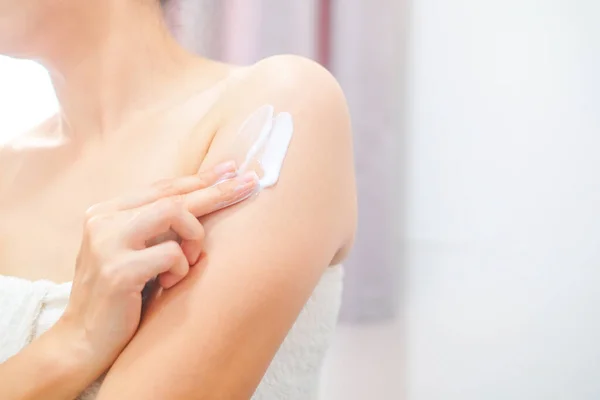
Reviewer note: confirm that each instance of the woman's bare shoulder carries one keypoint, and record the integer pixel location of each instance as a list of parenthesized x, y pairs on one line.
[(292, 84), (322, 136), (285, 79)]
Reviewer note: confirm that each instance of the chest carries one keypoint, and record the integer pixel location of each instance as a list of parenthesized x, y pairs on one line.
[(40, 228)]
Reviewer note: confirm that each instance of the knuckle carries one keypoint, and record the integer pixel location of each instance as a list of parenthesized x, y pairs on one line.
[(93, 224), (172, 251), (94, 210), (97, 236), (202, 181)]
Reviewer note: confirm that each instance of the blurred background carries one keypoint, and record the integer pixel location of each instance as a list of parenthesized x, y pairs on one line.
[(476, 272)]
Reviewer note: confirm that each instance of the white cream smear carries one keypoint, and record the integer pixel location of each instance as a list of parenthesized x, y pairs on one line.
[(264, 140)]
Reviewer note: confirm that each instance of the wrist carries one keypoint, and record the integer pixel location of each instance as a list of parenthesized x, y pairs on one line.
[(72, 355), (55, 366)]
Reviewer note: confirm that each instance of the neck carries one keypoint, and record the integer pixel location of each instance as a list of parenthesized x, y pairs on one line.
[(114, 69)]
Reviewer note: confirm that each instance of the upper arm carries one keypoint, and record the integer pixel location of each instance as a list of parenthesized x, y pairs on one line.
[(214, 334)]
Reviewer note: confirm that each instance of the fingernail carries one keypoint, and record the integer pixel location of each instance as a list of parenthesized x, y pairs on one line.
[(224, 168), (227, 176), (248, 177), (247, 181)]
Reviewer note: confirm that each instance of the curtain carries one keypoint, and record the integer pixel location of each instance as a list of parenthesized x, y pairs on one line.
[(356, 40)]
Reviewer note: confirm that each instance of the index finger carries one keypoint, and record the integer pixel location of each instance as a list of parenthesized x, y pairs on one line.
[(167, 188), (222, 195)]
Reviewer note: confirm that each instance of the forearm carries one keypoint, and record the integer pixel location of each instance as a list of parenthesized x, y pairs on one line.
[(55, 366)]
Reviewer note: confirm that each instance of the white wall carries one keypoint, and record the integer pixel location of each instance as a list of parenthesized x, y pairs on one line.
[(504, 200), (26, 96)]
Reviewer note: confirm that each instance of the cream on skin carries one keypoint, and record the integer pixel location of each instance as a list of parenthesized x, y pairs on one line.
[(269, 138), (271, 147)]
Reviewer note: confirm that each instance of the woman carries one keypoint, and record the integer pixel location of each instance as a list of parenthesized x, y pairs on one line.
[(135, 108)]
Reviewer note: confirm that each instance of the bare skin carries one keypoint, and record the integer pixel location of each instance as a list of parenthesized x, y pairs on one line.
[(136, 108), (51, 188)]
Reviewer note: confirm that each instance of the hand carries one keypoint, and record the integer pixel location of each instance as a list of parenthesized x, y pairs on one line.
[(122, 250)]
